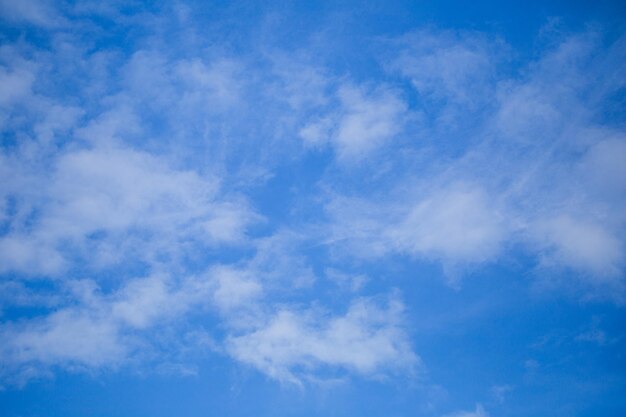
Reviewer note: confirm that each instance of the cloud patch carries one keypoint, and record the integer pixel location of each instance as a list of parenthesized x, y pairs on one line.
[(292, 344)]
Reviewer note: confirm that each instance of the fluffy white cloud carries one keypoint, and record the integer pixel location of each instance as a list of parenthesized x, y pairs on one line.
[(235, 289), (16, 83), (78, 337), (293, 344), (367, 121), (455, 225), (582, 245), (102, 197), (362, 122)]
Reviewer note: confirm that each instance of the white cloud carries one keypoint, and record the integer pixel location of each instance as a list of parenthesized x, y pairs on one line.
[(210, 86), (583, 245), (292, 344), (102, 197), (343, 280), (455, 224), (96, 330), (367, 121), (362, 122), (317, 133), (57, 119), (500, 392), (25, 254), (536, 169), (448, 66), (68, 335), (15, 84), (603, 168), (235, 289), (478, 412), (302, 84), (93, 330), (150, 170), (36, 12)]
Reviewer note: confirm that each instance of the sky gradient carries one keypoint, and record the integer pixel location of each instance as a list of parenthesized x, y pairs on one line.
[(333, 208)]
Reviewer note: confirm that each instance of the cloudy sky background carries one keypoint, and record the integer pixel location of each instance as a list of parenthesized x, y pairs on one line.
[(312, 209)]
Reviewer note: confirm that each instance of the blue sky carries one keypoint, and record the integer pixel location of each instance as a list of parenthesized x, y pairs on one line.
[(374, 208)]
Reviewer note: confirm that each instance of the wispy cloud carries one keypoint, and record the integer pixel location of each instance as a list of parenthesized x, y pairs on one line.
[(35, 12), (149, 186), (527, 173)]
